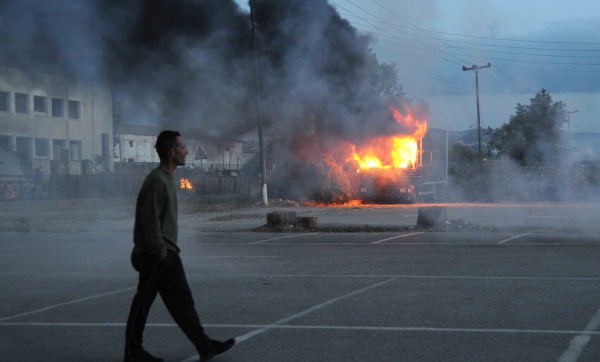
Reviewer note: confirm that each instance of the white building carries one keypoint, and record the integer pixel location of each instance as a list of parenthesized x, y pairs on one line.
[(61, 126), (135, 144)]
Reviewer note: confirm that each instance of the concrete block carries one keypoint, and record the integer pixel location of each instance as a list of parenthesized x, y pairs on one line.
[(428, 217)]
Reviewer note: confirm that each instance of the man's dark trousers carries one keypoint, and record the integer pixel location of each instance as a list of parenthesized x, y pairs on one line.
[(166, 277)]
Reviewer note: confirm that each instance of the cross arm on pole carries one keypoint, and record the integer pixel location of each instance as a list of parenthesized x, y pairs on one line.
[(476, 67)]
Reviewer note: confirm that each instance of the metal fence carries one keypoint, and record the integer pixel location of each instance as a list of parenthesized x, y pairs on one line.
[(17, 187), (116, 185)]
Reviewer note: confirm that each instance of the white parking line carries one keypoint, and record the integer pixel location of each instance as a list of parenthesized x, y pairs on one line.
[(281, 237), (317, 327), (512, 238), (395, 237), (578, 343), (227, 256), (263, 329), (66, 303), (403, 276), (539, 215)]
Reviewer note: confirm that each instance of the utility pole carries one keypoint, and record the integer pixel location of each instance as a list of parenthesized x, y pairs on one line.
[(476, 69), (569, 120), (258, 111)]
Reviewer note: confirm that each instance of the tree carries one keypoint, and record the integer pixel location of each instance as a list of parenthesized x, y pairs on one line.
[(533, 133), (384, 78), (468, 173)]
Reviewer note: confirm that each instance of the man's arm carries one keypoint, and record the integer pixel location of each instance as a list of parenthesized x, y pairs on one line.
[(149, 215)]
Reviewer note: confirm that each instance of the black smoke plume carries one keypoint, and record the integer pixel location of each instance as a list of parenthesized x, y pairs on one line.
[(189, 64)]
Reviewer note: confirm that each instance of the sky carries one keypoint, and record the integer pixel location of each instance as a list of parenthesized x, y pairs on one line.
[(189, 60), (531, 45)]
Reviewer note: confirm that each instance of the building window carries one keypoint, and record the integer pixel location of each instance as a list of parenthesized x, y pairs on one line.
[(75, 109), (58, 107), (58, 150), (42, 147), (6, 143), (21, 103), (75, 150), (24, 147), (4, 101), (40, 104)]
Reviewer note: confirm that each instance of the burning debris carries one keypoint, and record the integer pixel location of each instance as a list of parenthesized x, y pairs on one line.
[(185, 184)]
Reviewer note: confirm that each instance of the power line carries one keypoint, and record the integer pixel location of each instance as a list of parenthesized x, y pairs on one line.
[(545, 62), (392, 35), (422, 36), (491, 45), (481, 37)]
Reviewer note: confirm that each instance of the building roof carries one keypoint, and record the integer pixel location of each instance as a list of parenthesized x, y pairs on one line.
[(137, 129)]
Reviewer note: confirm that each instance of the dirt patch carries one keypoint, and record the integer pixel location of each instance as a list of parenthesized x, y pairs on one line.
[(15, 223), (233, 217)]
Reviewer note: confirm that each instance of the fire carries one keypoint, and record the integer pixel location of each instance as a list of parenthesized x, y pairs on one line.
[(185, 184), (396, 151)]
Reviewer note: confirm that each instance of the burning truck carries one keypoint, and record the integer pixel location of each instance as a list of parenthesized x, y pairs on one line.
[(403, 168)]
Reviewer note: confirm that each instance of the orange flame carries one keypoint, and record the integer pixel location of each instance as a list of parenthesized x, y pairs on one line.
[(185, 184), (396, 151)]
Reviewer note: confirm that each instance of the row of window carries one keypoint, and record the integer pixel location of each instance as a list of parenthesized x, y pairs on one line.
[(55, 149), (56, 106)]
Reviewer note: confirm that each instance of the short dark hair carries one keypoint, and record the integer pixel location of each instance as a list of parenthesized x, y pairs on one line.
[(164, 142)]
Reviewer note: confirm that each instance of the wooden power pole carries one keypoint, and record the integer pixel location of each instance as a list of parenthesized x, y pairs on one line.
[(476, 69)]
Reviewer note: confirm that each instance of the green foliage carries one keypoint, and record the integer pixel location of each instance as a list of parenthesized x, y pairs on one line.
[(384, 79), (533, 133), (468, 173)]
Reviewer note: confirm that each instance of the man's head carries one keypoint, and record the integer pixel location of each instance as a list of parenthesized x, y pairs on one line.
[(170, 147)]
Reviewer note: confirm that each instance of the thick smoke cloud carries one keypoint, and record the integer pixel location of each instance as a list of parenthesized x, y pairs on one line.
[(190, 64), (181, 64), (60, 37)]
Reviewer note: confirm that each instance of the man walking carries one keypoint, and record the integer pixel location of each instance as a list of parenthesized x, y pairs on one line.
[(155, 257)]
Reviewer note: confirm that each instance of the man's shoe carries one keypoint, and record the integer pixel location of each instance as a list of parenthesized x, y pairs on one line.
[(141, 356), (215, 348)]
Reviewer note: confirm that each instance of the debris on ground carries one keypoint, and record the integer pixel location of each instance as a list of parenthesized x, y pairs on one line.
[(288, 220), (15, 223), (456, 225), (232, 217)]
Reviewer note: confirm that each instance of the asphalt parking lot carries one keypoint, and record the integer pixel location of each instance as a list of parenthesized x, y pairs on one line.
[(513, 283)]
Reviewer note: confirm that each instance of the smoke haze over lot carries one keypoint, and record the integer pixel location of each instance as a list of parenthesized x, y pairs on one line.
[(190, 64), (202, 64)]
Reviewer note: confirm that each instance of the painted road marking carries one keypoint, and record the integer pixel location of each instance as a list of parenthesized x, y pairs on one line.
[(281, 237), (400, 276), (317, 327), (395, 237), (35, 311), (227, 256), (578, 343), (512, 238), (329, 302)]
